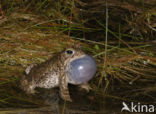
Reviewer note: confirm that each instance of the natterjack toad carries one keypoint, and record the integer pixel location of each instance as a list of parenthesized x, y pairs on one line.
[(69, 66)]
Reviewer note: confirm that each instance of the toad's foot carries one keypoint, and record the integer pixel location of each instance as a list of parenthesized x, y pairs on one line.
[(85, 86), (30, 90), (65, 95), (27, 87)]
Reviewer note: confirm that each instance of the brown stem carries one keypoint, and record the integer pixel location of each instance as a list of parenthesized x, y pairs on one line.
[(1, 11)]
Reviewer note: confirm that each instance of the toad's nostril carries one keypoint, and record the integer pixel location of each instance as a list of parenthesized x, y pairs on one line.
[(81, 70)]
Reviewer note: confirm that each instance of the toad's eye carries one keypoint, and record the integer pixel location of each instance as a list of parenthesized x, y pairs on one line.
[(69, 52)]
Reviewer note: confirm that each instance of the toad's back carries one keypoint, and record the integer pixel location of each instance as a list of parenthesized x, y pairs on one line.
[(44, 75)]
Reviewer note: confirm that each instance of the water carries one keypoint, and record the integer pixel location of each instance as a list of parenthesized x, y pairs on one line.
[(49, 102)]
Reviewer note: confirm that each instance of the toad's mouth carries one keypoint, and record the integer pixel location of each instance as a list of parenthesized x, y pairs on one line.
[(81, 70)]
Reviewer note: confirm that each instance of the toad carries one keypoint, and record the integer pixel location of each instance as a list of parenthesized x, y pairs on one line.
[(71, 66)]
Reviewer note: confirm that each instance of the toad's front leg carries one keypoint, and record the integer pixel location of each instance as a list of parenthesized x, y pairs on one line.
[(64, 91)]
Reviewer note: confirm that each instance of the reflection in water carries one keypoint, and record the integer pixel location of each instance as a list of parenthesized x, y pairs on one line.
[(50, 102)]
